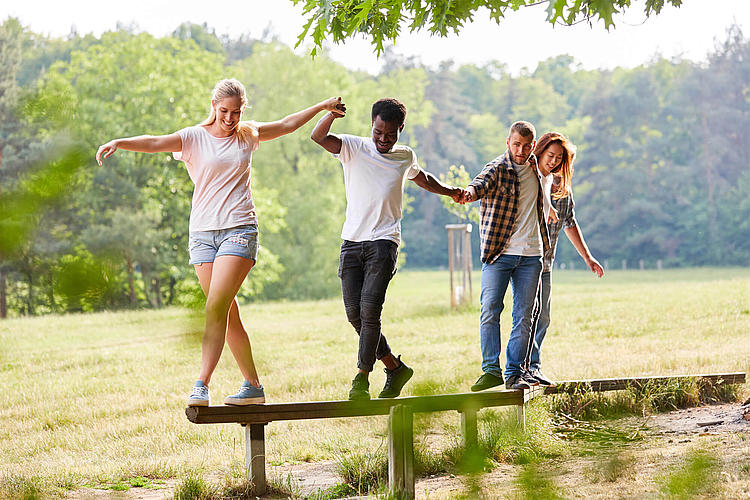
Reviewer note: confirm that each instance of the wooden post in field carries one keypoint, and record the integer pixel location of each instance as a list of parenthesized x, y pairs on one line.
[(469, 428), (459, 261), (467, 256), (255, 457), (450, 266), (624, 265), (401, 451)]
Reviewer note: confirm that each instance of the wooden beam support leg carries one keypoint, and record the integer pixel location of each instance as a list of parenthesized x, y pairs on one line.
[(469, 428), (521, 416), (255, 457), (401, 451)]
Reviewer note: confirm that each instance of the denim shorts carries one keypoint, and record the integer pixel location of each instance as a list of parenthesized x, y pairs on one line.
[(205, 246)]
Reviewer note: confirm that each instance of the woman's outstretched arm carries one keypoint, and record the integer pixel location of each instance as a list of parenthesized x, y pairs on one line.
[(288, 124), (143, 144)]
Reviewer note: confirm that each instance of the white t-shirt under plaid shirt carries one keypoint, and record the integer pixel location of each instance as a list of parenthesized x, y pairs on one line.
[(374, 184)]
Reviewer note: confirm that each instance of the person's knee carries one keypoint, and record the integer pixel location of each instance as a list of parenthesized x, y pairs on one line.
[(490, 310), (370, 312), (217, 307)]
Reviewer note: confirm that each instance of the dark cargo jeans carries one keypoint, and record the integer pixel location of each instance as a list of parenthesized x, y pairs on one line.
[(365, 269)]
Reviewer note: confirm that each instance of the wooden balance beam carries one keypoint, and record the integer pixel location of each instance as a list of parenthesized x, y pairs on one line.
[(400, 418), (400, 428)]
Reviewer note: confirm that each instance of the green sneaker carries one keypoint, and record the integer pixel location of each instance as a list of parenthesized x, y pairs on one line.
[(486, 381), (395, 380), (360, 390)]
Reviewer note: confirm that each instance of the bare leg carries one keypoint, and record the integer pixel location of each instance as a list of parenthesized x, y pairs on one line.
[(220, 281)]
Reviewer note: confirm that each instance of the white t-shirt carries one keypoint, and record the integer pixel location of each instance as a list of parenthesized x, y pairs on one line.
[(526, 239), (220, 169), (374, 185), (547, 182)]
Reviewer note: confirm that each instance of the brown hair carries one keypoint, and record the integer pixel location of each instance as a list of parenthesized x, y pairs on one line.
[(524, 128), (247, 132), (565, 169)]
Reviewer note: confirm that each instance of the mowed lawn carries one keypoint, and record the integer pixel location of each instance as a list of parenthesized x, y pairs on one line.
[(96, 398)]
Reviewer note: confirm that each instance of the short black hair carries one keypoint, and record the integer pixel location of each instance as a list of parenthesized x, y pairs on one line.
[(390, 110), (524, 128)]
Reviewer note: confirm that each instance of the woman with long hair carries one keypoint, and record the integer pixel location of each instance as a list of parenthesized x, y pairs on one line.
[(555, 155), (223, 240)]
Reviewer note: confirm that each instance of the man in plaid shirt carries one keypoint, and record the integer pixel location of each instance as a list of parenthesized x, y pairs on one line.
[(514, 237)]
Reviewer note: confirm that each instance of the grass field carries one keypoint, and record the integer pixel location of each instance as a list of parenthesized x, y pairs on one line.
[(98, 400)]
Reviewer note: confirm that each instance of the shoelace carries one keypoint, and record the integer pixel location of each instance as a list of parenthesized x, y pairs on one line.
[(199, 391)]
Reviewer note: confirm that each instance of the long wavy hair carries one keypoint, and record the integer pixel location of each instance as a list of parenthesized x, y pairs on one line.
[(247, 132), (565, 169)]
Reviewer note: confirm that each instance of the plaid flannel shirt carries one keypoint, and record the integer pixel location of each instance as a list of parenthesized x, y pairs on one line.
[(498, 188), (566, 218)]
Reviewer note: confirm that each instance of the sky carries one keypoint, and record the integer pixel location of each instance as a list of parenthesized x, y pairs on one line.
[(689, 32)]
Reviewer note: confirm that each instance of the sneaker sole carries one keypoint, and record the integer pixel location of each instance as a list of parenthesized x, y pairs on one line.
[(244, 401), (200, 402)]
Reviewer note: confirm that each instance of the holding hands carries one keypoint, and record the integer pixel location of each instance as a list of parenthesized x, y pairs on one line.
[(335, 107)]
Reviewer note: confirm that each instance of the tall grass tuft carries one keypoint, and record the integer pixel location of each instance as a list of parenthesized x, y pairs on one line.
[(194, 487), (504, 441), (284, 486), (642, 399), (363, 470), (17, 487), (698, 477)]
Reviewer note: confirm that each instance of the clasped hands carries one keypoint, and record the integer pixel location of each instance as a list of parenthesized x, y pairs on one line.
[(463, 196)]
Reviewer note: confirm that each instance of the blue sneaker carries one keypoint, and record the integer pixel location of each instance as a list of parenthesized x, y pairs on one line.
[(199, 396), (247, 395)]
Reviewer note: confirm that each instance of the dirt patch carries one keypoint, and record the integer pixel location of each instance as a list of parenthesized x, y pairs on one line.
[(307, 478), (728, 417)]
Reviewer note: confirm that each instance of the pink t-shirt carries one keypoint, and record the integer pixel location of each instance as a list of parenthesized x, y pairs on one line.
[(220, 169)]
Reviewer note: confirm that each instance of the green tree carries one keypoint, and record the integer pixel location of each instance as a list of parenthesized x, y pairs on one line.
[(383, 20)]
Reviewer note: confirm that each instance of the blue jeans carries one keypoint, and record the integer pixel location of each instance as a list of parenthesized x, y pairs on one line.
[(365, 269), (205, 246), (543, 322), (523, 275)]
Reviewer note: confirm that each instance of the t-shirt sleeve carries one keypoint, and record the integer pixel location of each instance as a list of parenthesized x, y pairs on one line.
[(413, 169), (350, 145), (187, 135), (253, 135)]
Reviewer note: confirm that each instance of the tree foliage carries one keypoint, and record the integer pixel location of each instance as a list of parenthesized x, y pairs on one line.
[(661, 171), (382, 20)]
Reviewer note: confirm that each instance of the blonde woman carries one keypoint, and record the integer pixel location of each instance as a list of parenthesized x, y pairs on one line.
[(223, 240)]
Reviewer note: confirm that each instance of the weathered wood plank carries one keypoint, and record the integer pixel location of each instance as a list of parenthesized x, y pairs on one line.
[(335, 409), (618, 384), (469, 428), (401, 451), (255, 457), (444, 402)]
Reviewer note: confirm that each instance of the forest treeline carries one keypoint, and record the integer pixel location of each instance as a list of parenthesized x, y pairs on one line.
[(662, 173)]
